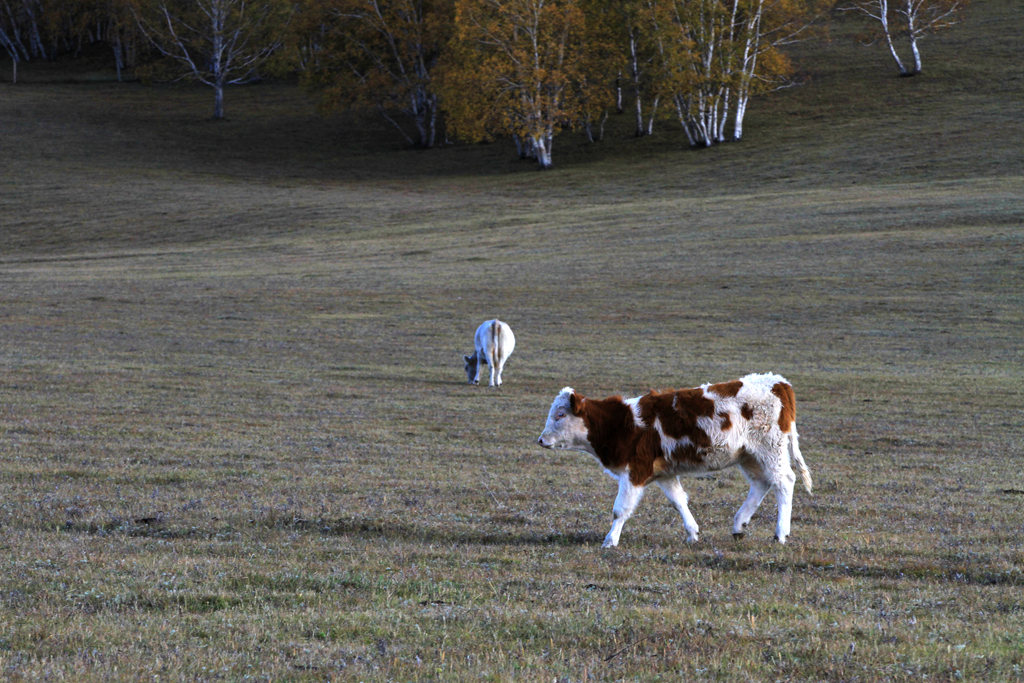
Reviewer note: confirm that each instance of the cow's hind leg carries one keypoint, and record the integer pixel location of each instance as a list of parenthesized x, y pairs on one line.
[(500, 362), (765, 473), (784, 494), (674, 490), (759, 488), (625, 504), (495, 371)]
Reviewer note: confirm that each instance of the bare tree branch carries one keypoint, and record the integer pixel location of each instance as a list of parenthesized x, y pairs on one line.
[(216, 42)]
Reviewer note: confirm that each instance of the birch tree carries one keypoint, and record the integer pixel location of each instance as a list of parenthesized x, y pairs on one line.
[(120, 30), (381, 54), (713, 55), (21, 33), (760, 31), (216, 42), (10, 40), (697, 67), (601, 56), (632, 28), (44, 29), (910, 21), (99, 21), (516, 67)]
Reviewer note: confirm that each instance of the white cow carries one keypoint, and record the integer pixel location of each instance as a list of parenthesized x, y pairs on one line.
[(493, 343)]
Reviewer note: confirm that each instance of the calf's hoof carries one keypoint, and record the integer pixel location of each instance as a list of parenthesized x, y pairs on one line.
[(738, 535)]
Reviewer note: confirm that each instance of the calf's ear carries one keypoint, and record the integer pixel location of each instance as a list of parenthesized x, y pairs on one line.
[(575, 403), (465, 358)]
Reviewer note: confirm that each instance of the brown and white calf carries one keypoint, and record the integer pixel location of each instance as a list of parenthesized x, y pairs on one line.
[(493, 343), (750, 422)]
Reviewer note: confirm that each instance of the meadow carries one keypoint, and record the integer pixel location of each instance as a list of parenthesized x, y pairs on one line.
[(236, 440)]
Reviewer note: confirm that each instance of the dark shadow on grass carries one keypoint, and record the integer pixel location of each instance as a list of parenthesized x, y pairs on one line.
[(733, 562), (405, 531), (151, 527), (898, 571), (705, 557), (426, 381)]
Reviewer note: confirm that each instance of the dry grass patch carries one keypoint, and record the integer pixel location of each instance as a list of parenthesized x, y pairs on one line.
[(235, 440)]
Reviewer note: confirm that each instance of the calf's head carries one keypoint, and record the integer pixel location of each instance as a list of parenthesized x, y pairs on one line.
[(470, 368), (565, 427)]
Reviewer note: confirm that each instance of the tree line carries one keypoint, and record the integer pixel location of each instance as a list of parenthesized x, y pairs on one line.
[(475, 70)]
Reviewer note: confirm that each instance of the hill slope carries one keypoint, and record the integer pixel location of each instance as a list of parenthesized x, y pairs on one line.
[(118, 163)]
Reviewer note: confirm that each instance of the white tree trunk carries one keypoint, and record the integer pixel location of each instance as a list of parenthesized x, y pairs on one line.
[(634, 66), (525, 147), (217, 18), (118, 55), (542, 146), (722, 115), (650, 119), (883, 17), (911, 14), (748, 69), (218, 101), (683, 120), (741, 111), (917, 54)]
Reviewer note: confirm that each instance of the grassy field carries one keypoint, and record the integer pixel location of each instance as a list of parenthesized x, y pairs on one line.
[(236, 441)]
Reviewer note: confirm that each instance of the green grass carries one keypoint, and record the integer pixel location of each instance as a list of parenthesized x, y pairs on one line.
[(235, 439)]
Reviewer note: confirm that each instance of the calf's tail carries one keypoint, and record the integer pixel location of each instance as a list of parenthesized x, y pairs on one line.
[(798, 458)]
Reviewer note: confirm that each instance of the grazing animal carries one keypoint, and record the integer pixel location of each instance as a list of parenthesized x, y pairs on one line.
[(750, 422), (494, 343)]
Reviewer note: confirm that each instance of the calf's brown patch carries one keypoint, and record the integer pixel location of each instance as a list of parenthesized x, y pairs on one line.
[(610, 429), (727, 389), (788, 413), (619, 443), (645, 462), (677, 411)]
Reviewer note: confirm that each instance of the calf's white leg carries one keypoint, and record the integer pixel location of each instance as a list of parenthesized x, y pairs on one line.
[(784, 495), (625, 504), (758, 490), (673, 489)]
